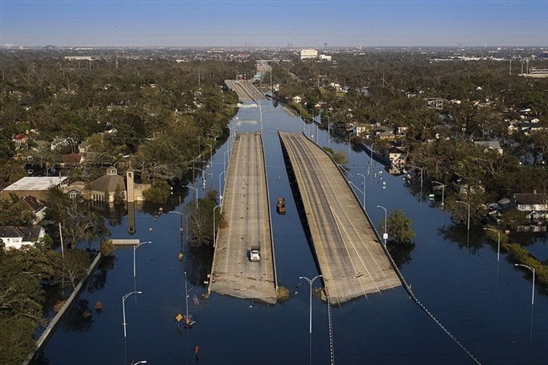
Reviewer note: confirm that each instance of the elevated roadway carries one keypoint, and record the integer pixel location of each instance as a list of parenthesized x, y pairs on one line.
[(245, 90), (350, 255), (246, 210)]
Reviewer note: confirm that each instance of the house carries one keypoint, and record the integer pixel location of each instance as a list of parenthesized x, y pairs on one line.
[(35, 206), (36, 186), (386, 135), (436, 103), (362, 129), (531, 202), (490, 145), (75, 189), (20, 139), (397, 156), (16, 237), (70, 160), (296, 99)]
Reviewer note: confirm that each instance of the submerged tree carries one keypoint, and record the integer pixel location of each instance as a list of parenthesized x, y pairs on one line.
[(203, 216), (398, 227)]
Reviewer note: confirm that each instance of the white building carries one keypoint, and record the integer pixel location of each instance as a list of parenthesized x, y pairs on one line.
[(309, 54), (324, 57)]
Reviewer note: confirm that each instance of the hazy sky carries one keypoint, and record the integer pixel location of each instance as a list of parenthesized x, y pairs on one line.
[(274, 23)]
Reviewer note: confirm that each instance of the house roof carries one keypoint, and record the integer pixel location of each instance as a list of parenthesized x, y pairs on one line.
[(35, 183), (530, 198), (31, 203), (108, 183), (73, 158), (488, 144), (28, 234)]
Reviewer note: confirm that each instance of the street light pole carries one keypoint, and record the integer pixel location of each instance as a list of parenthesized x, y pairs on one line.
[(498, 240), (373, 154), (195, 191), (220, 187), (124, 308), (385, 235), (140, 362), (310, 282), (362, 175), (134, 249), (468, 209), (420, 168), (214, 221), (225, 159), (533, 288), (442, 192), (328, 132)]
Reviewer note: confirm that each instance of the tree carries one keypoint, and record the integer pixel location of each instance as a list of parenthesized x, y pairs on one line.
[(16, 342), (158, 192), (78, 222), (75, 265), (398, 227), (201, 214)]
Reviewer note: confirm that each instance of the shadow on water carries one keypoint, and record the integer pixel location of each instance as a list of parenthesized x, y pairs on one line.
[(98, 278)]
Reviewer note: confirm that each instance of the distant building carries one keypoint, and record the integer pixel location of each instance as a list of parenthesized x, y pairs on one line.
[(490, 145), (307, 54), (324, 57), (436, 103)]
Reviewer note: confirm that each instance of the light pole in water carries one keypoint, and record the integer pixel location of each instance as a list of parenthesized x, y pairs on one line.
[(362, 175), (134, 249), (442, 192), (385, 234), (221, 186), (498, 240), (533, 288), (310, 281), (124, 308), (214, 221), (468, 213)]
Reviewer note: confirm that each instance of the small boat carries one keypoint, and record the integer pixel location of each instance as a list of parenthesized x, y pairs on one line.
[(280, 206)]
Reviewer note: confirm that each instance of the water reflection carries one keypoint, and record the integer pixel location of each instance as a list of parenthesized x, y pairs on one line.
[(472, 240), (98, 279), (78, 317), (401, 252)]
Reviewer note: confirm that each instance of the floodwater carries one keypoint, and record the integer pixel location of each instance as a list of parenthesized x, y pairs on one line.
[(484, 304)]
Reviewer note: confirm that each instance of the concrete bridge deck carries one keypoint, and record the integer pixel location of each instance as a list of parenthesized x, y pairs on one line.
[(349, 253), (245, 90), (246, 209)]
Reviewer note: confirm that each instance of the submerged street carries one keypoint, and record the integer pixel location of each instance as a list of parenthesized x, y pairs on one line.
[(484, 304)]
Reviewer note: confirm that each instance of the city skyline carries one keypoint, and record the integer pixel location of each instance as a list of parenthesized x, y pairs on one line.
[(263, 23)]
